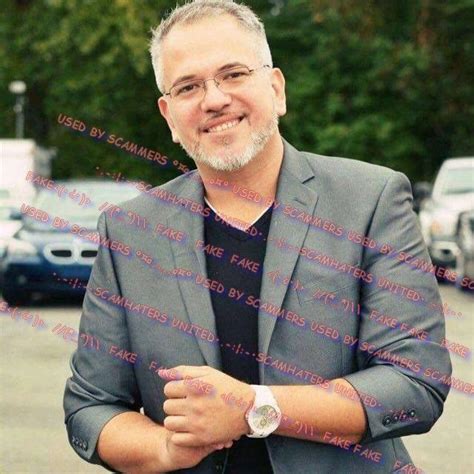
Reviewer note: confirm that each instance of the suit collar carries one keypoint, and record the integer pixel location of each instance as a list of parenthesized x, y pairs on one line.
[(294, 163), (291, 192)]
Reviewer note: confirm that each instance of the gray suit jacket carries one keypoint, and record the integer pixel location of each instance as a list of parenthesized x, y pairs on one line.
[(371, 200)]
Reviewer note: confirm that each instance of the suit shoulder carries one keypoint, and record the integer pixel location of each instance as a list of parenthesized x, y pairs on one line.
[(148, 200), (177, 184), (342, 169), (351, 182)]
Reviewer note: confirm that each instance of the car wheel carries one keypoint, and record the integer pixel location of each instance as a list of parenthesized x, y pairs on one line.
[(461, 272), (17, 297), (462, 288)]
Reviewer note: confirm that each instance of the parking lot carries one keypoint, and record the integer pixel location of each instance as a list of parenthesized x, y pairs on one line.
[(35, 367)]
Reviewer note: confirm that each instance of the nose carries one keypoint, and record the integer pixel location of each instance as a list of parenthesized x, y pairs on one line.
[(214, 98)]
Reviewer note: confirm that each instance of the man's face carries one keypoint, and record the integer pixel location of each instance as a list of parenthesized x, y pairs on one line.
[(249, 114)]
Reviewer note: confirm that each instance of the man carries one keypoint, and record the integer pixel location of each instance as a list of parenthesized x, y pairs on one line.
[(268, 368)]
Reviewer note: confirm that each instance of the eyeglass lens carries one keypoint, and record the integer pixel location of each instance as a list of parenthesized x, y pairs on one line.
[(227, 81)]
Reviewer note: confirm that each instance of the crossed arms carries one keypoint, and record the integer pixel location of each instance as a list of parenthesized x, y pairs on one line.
[(97, 403)]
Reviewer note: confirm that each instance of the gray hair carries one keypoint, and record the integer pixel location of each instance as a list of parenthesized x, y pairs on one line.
[(193, 11)]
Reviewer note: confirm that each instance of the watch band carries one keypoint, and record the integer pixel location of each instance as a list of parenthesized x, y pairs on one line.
[(263, 396)]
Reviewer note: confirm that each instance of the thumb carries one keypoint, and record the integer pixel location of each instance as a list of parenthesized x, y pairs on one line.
[(217, 446)]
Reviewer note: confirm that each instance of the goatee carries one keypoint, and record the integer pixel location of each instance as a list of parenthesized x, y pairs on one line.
[(228, 161)]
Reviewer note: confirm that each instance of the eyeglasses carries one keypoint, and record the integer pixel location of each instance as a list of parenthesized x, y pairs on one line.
[(227, 81)]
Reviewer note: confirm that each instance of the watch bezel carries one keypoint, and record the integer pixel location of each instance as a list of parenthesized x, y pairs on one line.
[(254, 420)]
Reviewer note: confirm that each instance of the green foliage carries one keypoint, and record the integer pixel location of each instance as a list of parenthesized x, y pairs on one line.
[(380, 81), (89, 60)]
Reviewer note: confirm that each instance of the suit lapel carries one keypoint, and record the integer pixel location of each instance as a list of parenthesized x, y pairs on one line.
[(197, 299), (291, 192)]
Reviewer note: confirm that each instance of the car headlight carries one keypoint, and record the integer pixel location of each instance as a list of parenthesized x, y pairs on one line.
[(443, 224), (3, 248), (20, 248)]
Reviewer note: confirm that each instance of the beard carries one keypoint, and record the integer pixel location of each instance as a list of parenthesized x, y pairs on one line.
[(227, 160)]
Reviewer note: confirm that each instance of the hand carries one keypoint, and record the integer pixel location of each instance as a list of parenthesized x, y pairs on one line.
[(198, 415), (179, 457)]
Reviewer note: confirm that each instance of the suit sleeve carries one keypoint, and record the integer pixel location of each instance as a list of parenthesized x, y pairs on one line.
[(102, 386), (391, 361)]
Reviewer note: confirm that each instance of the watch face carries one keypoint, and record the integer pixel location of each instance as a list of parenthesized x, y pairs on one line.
[(264, 419)]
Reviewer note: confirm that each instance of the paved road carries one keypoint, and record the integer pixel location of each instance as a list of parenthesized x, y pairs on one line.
[(448, 447), (34, 367)]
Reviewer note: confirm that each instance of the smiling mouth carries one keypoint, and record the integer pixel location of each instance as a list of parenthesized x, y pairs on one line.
[(224, 126)]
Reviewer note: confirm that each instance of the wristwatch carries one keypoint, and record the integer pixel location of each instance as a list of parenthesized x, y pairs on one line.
[(264, 416)]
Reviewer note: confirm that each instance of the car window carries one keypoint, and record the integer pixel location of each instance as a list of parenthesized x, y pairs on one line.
[(70, 208), (5, 213), (4, 193), (458, 181)]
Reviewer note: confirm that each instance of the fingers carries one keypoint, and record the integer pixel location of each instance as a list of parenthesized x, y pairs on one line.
[(186, 440), (176, 423), (181, 371), (193, 371), (189, 440), (169, 374), (175, 389), (175, 406), (223, 445)]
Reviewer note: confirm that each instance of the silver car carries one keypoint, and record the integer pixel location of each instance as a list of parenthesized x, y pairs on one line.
[(465, 261), (8, 226), (453, 194)]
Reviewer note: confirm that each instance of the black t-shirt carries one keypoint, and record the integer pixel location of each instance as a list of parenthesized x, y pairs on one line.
[(240, 268)]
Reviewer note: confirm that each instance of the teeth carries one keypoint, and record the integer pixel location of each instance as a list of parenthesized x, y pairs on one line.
[(224, 126)]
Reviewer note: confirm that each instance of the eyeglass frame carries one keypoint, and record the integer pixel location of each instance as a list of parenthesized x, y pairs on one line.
[(203, 81)]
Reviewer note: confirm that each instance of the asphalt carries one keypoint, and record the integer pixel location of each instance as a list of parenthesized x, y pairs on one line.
[(34, 367)]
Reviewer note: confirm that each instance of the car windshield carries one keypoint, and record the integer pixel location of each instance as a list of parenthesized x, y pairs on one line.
[(5, 212), (458, 181), (4, 193), (69, 205)]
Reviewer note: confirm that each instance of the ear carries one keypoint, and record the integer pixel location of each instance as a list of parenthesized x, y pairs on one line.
[(163, 106), (278, 86)]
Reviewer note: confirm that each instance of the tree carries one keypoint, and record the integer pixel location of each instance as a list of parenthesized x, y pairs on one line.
[(380, 81)]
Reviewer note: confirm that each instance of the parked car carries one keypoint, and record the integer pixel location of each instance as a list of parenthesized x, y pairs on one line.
[(465, 261), (421, 191), (8, 226), (43, 259), (453, 193)]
